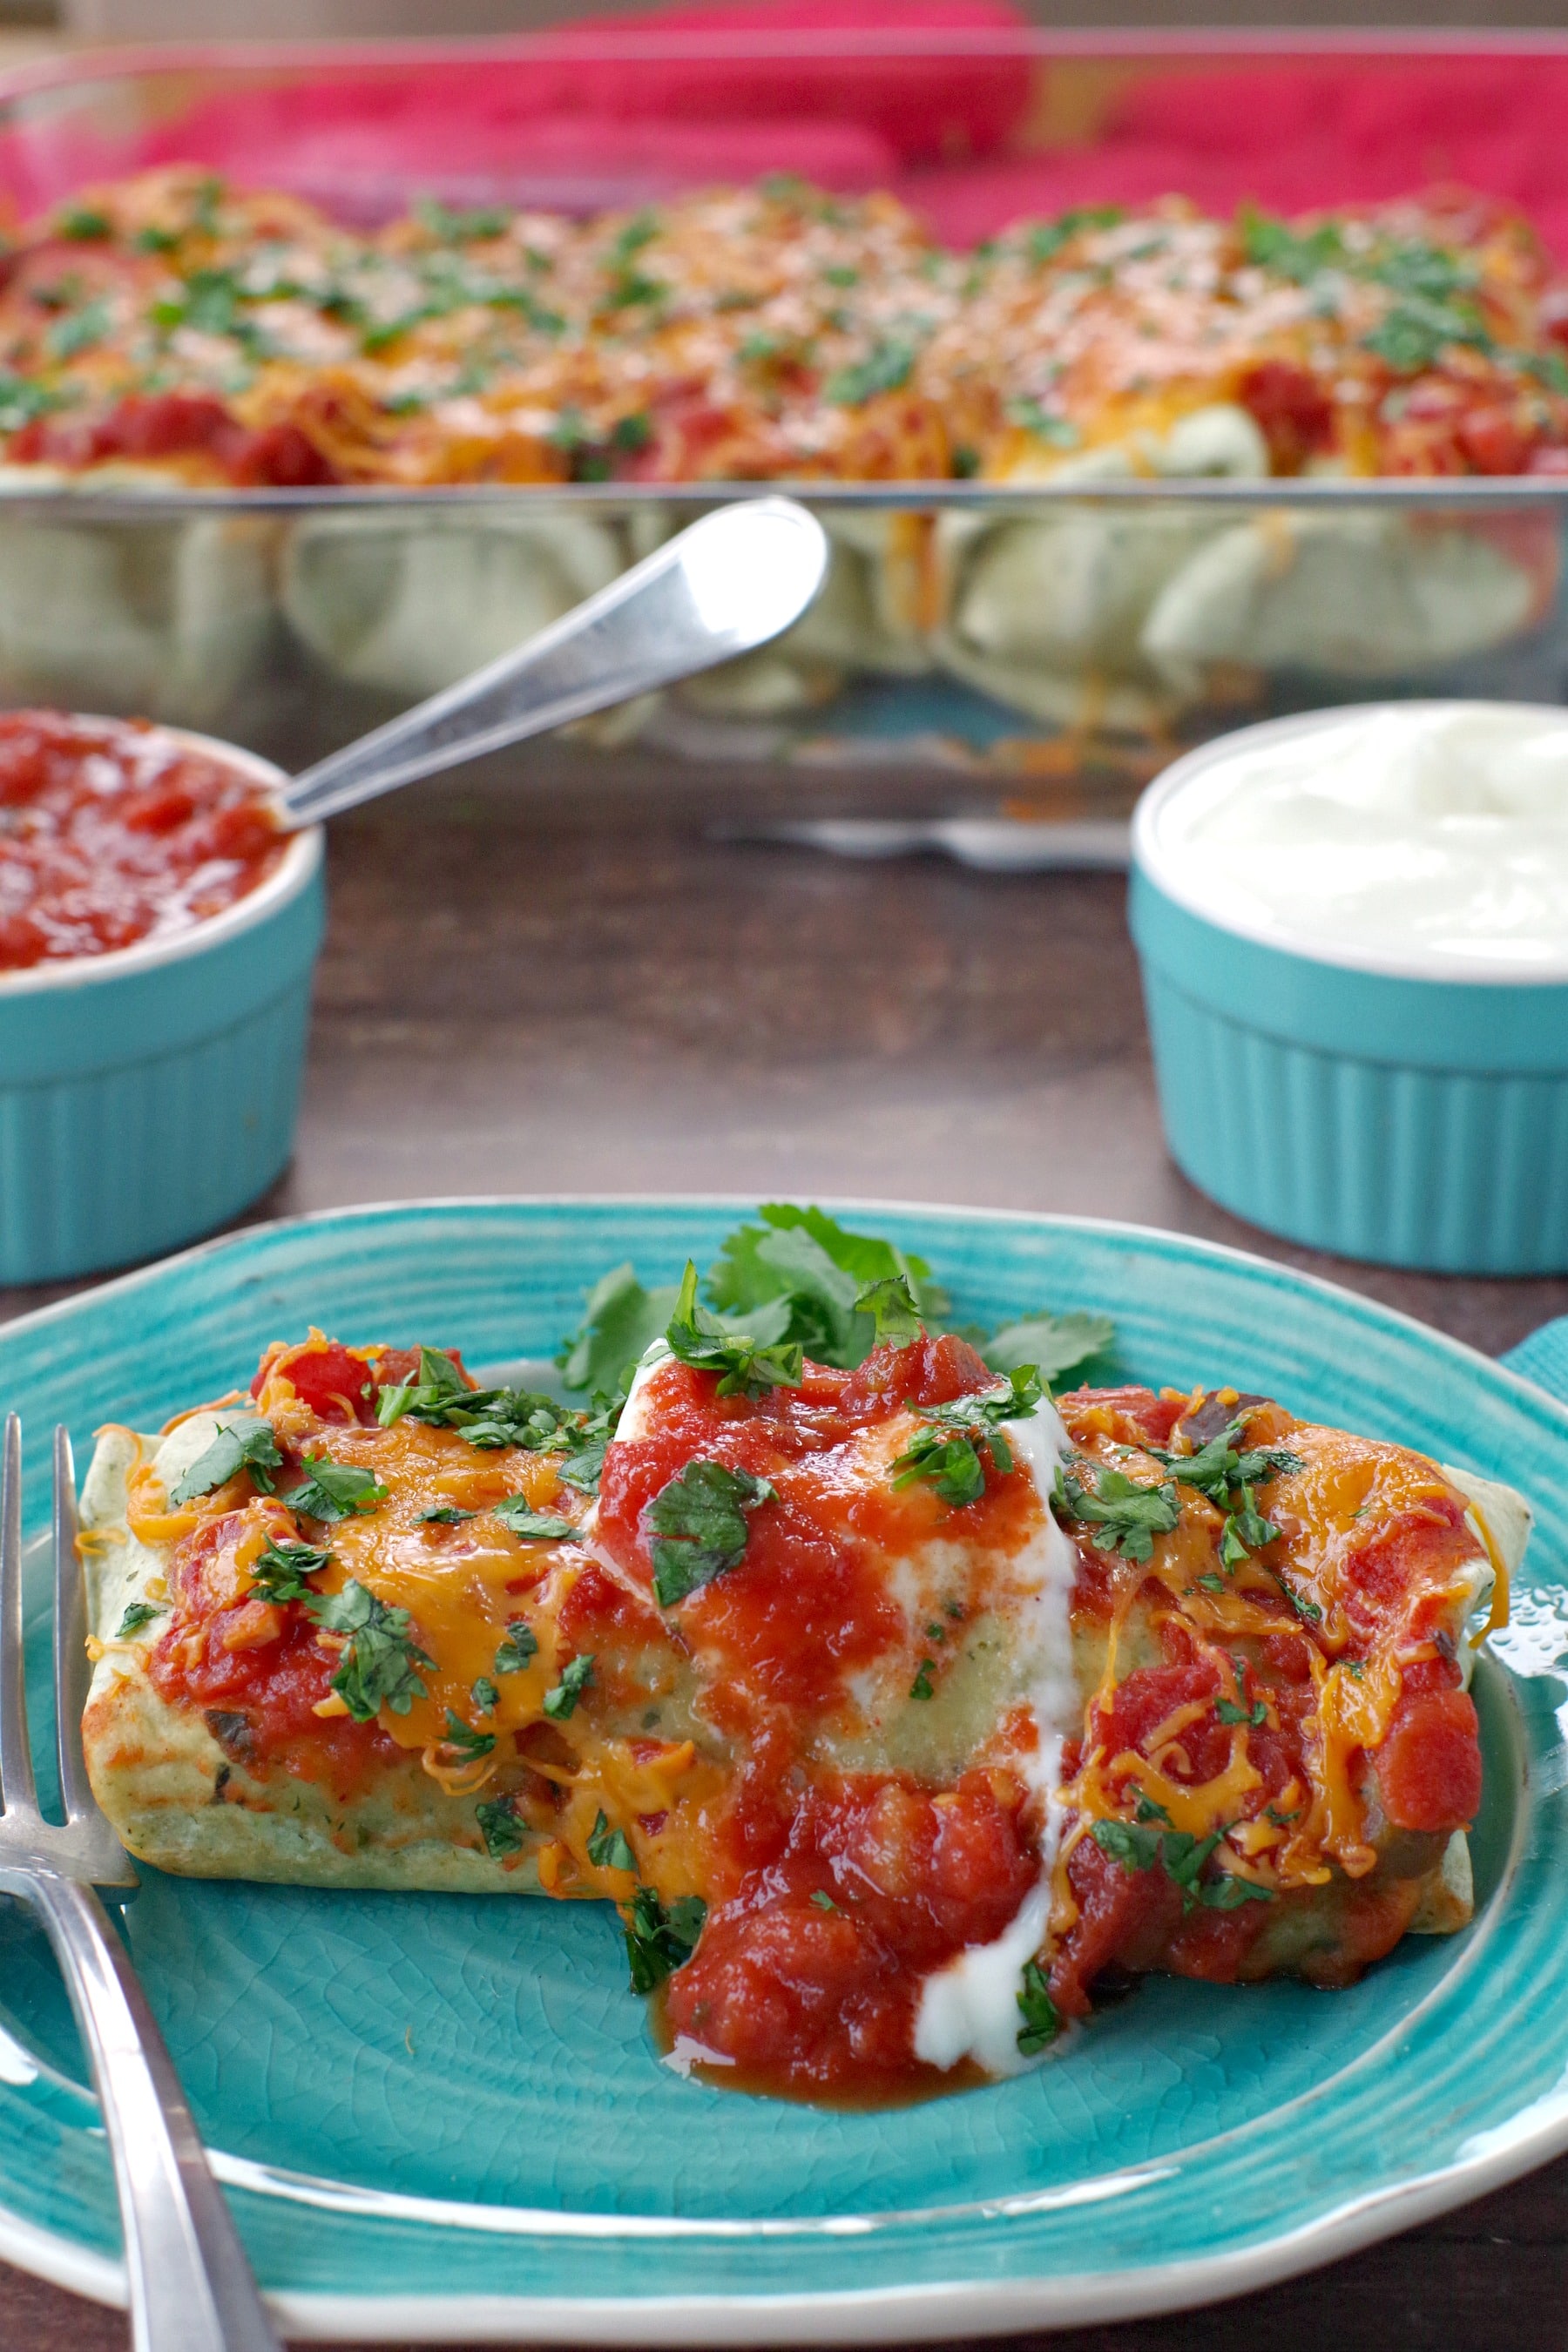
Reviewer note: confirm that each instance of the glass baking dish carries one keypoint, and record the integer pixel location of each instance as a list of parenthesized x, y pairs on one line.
[(982, 650)]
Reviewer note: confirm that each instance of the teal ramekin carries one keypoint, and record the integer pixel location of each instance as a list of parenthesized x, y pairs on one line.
[(1377, 1113), (149, 1095)]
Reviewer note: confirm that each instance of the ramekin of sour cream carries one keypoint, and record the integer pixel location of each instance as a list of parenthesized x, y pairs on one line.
[(1353, 931)]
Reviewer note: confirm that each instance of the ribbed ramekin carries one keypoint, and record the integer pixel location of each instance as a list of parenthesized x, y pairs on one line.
[(148, 1095), (1390, 1113)]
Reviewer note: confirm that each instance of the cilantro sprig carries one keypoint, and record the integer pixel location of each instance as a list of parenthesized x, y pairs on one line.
[(278, 1572), (518, 1514), (1126, 1518), (237, 1445), (138, 1615), (377, 1667), (957, 1440), (699, 1526), (608, 1847), (1226, 1474), (335, 1490), (746, 1367)]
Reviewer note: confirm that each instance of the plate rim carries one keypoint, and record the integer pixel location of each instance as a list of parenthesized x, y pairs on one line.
[(878, 2313)]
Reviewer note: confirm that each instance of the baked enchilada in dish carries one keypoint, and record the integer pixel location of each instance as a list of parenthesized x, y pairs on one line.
[(896, 1706), (222, 336)]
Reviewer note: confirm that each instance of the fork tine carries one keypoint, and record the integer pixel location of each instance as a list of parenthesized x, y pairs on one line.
[(17, 1789), (73, 1671)]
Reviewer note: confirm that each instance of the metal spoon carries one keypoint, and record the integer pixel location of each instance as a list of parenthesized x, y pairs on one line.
[(730, 584)]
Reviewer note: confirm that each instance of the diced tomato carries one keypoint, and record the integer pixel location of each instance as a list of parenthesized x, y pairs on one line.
[(1494, 440), (336, 1385), (1133, 1416), (1292, 410)]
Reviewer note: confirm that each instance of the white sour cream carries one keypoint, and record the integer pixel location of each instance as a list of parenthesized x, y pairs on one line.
[(970, 2008), (1426, 837)]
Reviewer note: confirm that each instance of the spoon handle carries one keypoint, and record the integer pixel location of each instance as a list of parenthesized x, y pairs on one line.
[(731, 582)]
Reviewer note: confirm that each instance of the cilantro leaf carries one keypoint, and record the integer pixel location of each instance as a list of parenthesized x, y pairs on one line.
[(746, 1367), (660, 1937), (445, 1515), (1126, 1517), (817, 1268), (138, 1614), (886, 368), (486, 1696), (823, 1901), (947, 1454), (608, 1849), (84, 224), (502, 1831), (1135, 1848), (893, 1302), (377, 1666), (1227, 1711), (1054, 1344), (922, 1685), (535, 1527), (427, 1398), (241, 1445), (1045, 239), (1042, 2022), (280, 1570), (1228, 1893), (620, 1321), (465, 1740), (562, 1701), (335, 1490), (699, 1526), (1299, 255), (520, 1647)]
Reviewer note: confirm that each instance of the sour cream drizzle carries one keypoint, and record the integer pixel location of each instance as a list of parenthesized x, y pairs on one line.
[(970, 2009)]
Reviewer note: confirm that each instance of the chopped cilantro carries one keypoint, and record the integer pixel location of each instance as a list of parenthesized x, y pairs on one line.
[(965, 462), (631, 288), (839, 273), (22, 401), (278, 1572), (84, 226), (486, 1695), (1227, 1711), (138, 1614), (1150, 1809), (81, 330), (660, 1937), (1042, 2022), (1417, 331), (535, 1527), (922, 1685), (237, 1445), (468, 1742), (520, 1647), (335, 1490), (426, 1399), (377, 1666), (1046, 239), (562, 1701), (699, 1526), (152, 239), (948, 1453), (885, 369), (1300, 256), (822, 1900), (1182, 1857), (445, 1515), (746, 1367), (1217, 1469), (1308, 1609), (893, 1304), (502, 1831), (608, 1848), (1127, 1517), (462, 227), (631, 237)]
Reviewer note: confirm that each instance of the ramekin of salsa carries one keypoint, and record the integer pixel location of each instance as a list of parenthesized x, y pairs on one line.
[(158, 928)]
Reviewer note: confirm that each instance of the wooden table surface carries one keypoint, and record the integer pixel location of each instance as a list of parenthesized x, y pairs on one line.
[(520, 995)]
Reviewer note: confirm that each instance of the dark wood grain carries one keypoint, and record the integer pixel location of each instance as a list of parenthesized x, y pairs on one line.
[(524, 996)]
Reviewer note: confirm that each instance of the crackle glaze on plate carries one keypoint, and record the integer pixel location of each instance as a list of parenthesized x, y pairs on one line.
[(444, 2116)]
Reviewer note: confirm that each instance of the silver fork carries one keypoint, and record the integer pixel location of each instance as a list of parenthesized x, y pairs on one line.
[(191, 2288)]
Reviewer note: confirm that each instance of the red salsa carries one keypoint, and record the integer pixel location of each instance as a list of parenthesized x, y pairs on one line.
[(113, 831)]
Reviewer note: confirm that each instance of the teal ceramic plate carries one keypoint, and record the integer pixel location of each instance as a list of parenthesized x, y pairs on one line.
[(441, 2117)]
